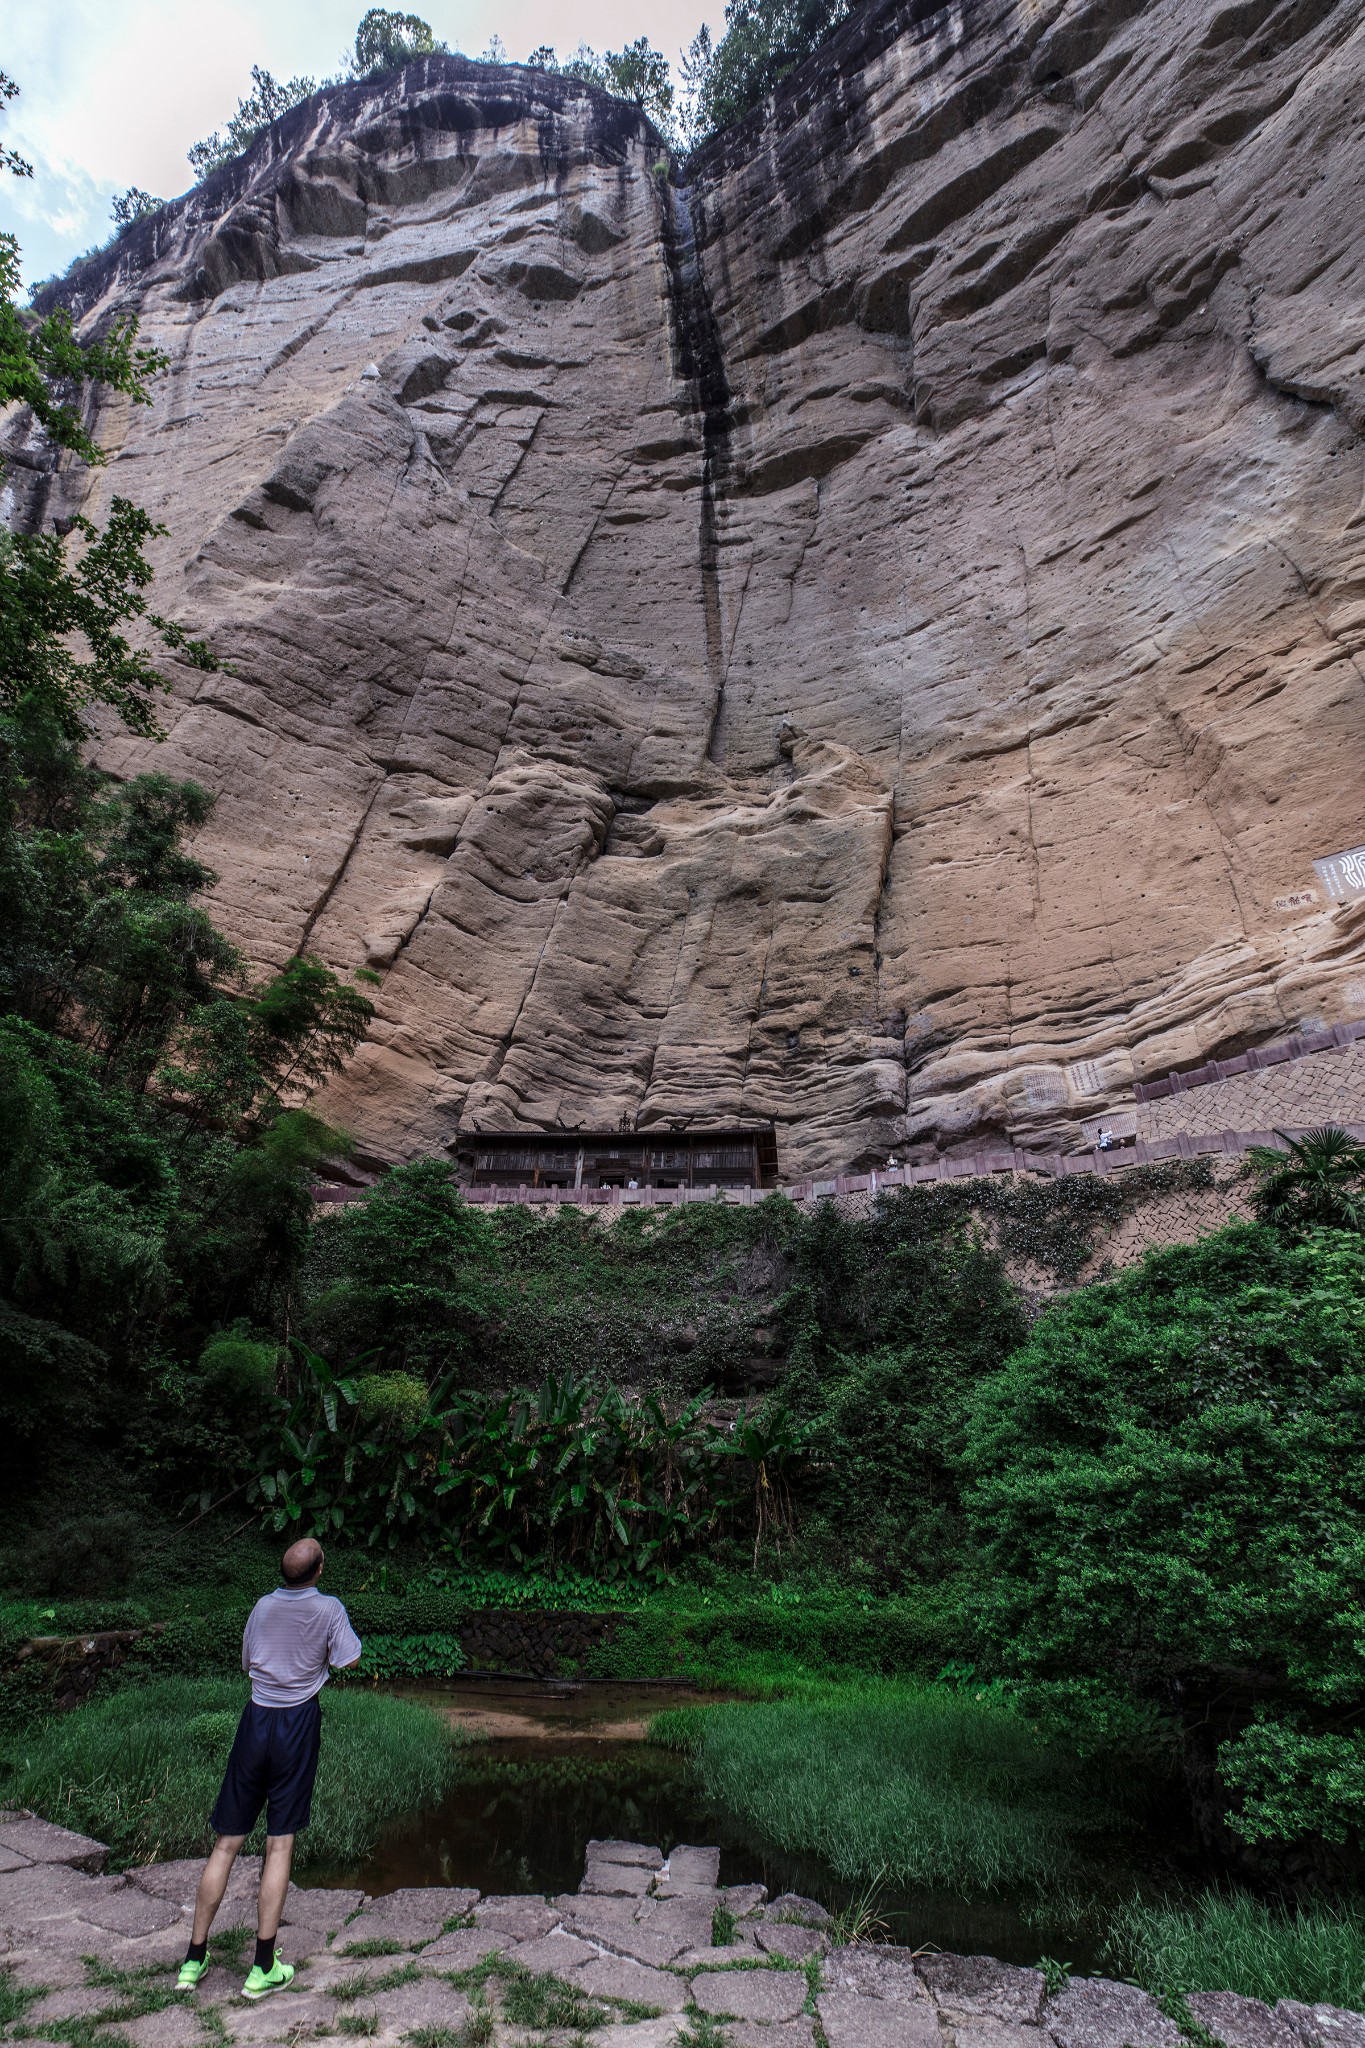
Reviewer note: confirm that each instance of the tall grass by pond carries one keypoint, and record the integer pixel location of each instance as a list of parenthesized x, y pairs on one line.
[(916, 1784), (1230, 1941), (140, 1770)]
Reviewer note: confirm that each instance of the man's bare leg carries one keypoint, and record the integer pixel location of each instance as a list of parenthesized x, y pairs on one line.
[(214, 1882), (279, 1855)]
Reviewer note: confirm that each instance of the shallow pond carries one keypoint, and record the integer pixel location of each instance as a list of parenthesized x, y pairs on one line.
[(551, 1767)]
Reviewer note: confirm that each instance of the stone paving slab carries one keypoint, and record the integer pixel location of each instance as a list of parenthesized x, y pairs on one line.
[(717, 1958), (464, 1947), (1241, 2022), (875, 1972), (618, 1977), (789, 2034), (129, 1911), (644, 1853), (558, 1953), (740, 1899), (31, 1965), (428, 2004), (660, 2033), (76, 2002), (49, 1891), (766, 1995), (10, 1859), (520, 1919), (688, 1865), (794, 1906), (981, 1986), (590, 1909), (318, 1906), (413, 1913), (972, 2032), (176, 2026), (280, 2017), (1323, 2026), (852, 2020), (626, 1879), (797, 1944), (41, 1841), (1095, 2012)]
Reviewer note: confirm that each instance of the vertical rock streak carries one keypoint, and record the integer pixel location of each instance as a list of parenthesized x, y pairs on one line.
[(699, 355)]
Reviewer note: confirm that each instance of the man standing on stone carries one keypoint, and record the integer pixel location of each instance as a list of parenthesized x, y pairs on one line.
[(293, 1636)]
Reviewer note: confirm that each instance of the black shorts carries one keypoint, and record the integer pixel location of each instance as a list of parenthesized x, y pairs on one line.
[(274, 1759)]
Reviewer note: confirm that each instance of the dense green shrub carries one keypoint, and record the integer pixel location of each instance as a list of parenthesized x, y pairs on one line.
[(1167, 1485), (570, 1471)]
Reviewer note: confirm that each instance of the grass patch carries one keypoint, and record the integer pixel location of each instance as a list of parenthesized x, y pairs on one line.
[(141, 1769), (723, 1924), (134, 1996), (365, 1950), (230, 1944), (15, 1999), (529, 1998), (910, 1784), (368, 1986), (475, 2032), (703, 2031), (364, 2023), (1230, 1941)]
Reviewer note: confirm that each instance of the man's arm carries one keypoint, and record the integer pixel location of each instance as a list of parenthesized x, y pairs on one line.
[(344, 1647)]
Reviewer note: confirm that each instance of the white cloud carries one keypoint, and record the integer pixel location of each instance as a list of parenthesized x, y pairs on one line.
[(115, 91)]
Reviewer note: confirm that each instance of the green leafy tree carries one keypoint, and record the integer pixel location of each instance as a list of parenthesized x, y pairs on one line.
[(638, 73), (696, 65), (62, 643), (10, 159), (387, 39), (1319, 1180), (641, 74), (132, 206), (35, 357), (763, 41), (403, 1271), (1167, 1487), (268, 99)]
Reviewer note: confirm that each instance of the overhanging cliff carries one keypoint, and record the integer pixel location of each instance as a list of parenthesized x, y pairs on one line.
[(868, 635)]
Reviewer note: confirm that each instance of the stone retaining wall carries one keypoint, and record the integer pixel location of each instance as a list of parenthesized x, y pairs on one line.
[(542, 1645), (1325, 1087)]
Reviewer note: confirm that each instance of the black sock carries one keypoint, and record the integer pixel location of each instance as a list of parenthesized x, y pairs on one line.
[(265, 1953), (198, 1951)]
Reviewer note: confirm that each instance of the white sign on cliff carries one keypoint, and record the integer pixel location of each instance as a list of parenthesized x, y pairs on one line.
[(1342, 874)]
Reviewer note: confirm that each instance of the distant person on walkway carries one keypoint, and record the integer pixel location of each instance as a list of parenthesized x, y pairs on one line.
[(293, 1636), (1105, 1139)]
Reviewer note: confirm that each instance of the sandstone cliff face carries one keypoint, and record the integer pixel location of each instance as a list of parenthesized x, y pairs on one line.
[(862, 639)]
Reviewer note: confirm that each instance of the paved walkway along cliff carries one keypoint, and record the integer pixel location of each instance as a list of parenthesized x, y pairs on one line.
[(629, 1960), (864, 633)]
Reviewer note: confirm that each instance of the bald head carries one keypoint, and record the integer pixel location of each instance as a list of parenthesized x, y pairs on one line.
[(302, 1562)]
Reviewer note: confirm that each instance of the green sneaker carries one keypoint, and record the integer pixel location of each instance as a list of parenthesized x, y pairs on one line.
[(190, 1973), (261, 1983)]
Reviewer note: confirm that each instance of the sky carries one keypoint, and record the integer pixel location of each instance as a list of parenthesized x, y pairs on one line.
[(113, 92)]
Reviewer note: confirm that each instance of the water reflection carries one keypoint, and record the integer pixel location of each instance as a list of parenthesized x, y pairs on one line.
[(555, 1767)]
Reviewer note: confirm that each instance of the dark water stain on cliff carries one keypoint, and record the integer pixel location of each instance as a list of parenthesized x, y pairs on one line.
[(699, 360)]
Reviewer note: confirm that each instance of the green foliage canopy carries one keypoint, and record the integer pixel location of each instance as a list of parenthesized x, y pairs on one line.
[(387, 38), (268, 99), (1167, 1485)]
